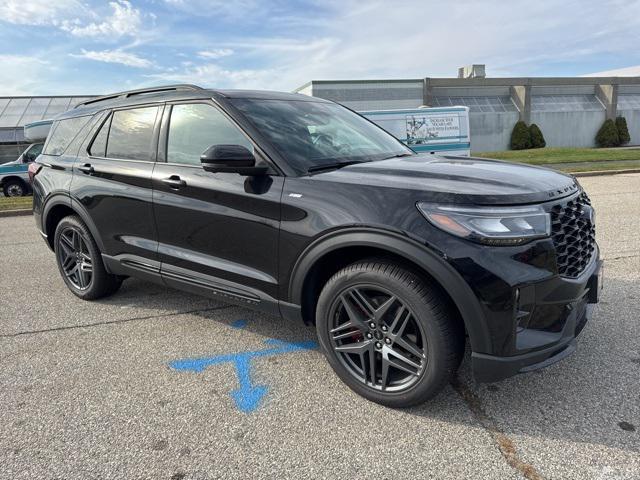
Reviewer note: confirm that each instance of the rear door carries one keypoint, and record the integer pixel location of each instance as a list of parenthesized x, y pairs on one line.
[(112, 182), (218, 232)]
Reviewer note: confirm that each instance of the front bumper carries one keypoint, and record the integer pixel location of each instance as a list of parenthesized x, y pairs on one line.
[(546, 346)]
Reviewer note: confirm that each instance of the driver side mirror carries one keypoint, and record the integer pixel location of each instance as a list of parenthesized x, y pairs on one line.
[(231, 159)]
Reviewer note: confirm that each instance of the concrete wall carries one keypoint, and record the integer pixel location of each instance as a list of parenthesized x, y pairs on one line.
[(491, 132), (372, 95), (569, 129), (570, 115)]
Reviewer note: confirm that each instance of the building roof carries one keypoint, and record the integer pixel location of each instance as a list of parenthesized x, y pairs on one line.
[(16, 112)]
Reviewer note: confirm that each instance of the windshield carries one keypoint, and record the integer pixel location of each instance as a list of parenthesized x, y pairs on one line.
[(314, 134)]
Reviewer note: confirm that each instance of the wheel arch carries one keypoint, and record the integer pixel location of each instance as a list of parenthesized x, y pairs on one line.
[(59, 206), (332, 252), (8, 178)]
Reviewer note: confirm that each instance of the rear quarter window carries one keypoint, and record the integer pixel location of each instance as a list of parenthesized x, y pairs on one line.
[(62, 133)]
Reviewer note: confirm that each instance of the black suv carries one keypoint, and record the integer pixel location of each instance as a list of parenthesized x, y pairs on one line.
[(301, 208)]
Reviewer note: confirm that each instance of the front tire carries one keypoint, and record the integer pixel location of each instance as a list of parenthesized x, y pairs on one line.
[(15, 188), (390, 335), (80, 262)]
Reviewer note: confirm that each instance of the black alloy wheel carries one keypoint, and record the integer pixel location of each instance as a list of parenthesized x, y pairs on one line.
[(74, 257), (388, 332), (80, 261)]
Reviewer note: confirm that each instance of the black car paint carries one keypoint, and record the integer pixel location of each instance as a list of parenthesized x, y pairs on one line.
[(253, 240)]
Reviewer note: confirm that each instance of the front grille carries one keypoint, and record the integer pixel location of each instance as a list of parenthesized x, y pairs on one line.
[(574, 235)]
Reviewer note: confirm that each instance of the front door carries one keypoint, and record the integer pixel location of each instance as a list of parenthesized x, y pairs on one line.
[(218, 232)]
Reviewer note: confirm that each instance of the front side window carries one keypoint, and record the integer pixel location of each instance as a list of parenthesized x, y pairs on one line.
[(131, 134), (62, 133), (195, 127), (32, 153), (311, 134)]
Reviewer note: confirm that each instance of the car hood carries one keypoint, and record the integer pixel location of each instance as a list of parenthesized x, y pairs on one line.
[(13, 162), (11, 167), (460, 179)]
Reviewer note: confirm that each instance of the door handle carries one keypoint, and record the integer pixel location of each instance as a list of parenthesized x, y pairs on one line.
[(87, 168), (174, 181)]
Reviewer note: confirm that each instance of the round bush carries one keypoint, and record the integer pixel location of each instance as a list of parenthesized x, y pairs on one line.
[(608, 135), (520, 137), (537, 139)]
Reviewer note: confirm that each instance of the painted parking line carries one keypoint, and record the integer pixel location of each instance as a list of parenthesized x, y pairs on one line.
[(248, 396)]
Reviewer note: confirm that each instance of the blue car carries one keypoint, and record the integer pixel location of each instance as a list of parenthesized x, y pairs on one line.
[(14, 176)]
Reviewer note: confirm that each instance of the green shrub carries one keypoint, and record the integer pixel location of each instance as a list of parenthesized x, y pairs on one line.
[(520, 137), (608, 135), (623, 131), (537, 139)]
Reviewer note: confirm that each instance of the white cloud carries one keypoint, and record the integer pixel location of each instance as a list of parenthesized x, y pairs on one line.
[(240, 9), (76, 18), (211, 75), (116, 56), (125, 20), (215, 53), (38, 12), (21, 75), (620, 72)]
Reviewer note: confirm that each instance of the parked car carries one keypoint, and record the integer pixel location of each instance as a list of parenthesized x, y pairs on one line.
[(299, 207), (14, 176)]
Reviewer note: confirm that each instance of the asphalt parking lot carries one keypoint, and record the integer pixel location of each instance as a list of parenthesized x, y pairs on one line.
[(154, 383)]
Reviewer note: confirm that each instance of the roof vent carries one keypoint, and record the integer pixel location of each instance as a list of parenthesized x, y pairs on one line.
[(472, 71)]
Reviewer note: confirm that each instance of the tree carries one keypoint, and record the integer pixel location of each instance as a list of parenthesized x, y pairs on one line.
[(623, 131), (537, 139), (520, 137), (608, 135)]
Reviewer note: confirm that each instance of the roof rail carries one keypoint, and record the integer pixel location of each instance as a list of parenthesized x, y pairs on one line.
[(140, 91)]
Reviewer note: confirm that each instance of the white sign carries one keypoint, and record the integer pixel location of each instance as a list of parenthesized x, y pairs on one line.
[(424, 128)]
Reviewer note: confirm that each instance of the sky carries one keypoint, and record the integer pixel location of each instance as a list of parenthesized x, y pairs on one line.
[(57, 47)]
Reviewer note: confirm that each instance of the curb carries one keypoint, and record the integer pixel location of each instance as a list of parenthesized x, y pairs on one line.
[(15, 213), (598, 173)]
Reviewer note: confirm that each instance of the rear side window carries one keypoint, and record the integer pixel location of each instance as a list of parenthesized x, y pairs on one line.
[(62, 133), (131, 133)]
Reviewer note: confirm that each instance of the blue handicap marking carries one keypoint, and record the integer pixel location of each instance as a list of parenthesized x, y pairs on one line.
[(248, 396), (241, 323)]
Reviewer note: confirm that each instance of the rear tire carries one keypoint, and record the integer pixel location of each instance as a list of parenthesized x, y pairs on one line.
[(80, 262), (377, 312)]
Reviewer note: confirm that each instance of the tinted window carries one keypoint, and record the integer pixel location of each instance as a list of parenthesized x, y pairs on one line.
[(131, 133), (194, 128), (309, 134), (32, 153), (36, 149), (62, 132), (99, 145)]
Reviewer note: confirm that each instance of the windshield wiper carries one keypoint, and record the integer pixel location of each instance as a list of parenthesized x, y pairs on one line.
[(332, 166), (400, 155)]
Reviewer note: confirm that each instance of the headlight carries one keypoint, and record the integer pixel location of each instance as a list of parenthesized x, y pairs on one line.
[(490, 225)]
